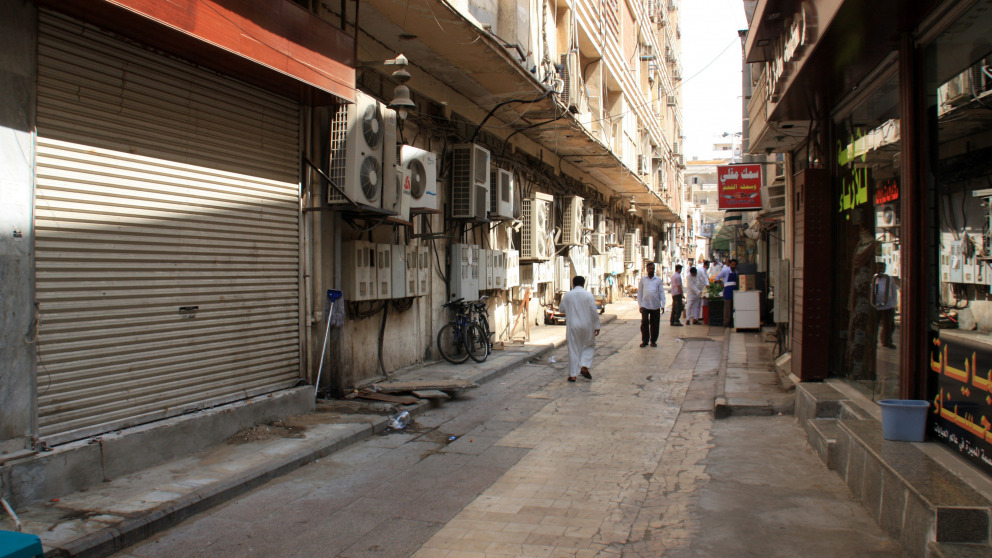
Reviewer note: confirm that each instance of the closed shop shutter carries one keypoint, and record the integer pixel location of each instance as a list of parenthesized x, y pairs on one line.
[(167, 235)]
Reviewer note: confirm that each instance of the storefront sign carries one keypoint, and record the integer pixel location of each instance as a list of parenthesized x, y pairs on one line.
[(887, 192), (961, 408), (788, 48), (739, 186)]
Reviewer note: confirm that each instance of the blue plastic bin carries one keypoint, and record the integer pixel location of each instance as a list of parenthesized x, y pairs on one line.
[(904, 420), (19, 545)]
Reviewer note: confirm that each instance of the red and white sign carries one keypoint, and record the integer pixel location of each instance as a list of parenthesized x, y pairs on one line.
[(739, 187)]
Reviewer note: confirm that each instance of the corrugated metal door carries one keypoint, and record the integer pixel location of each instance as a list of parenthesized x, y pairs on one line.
[(167, 235)]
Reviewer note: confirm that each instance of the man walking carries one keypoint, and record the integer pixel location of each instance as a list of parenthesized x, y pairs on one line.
[(581, 328), (678, 297), (651, 299), (885, 298), (728, 276), (694, 287)]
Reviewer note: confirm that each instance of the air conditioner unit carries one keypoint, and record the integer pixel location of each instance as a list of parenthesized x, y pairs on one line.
[(411, 260), (535, 234), (512, 268), (358, 275), (886, 216), (579, 258), (671, 100), (363, 147), (563, 274), (464, 272), (646, 253), (775, 198), (677, 75), (669, 54), (485, 269), (649, 242), (572, 222), (501, 194), (630, 248), (597, 242), (571, 75), (470, 182), (423, 177), (643, 165), (611, 239), (423, 270), (544, 272), (396, 197)]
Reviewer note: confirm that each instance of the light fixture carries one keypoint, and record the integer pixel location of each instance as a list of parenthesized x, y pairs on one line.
[(632, 209), (401, 103)]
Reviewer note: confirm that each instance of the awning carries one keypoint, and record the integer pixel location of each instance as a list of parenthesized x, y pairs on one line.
[(723, 236)]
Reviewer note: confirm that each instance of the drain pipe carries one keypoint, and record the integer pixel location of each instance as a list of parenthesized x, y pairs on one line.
[(18, 526), (382, 333)]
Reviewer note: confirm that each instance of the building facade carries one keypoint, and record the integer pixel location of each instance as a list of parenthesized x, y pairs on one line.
[(186, 183)]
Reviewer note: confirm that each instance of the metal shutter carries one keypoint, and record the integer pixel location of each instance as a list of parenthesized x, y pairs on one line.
[(167, 235)]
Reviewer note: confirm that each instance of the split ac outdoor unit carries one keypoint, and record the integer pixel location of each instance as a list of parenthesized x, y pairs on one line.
[(512, 269), (630, 248), (645, 252), (597, 242), (501, 194), (358, 270), (886, 217), (572, 225), (589, 222), (396, 197), (579, 257), (571, 75), (423, 177), (535, 240), (599, 223), (363, 149), (423, 270), (470, 182), (464, 272), (412, 262)]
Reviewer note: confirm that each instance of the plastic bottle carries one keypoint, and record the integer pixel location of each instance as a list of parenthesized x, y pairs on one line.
[(400, 421)]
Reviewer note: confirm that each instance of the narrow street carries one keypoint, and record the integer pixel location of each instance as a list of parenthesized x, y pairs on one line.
[(531, 465)]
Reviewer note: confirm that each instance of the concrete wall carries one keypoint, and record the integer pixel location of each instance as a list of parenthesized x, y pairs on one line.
[(18, 401)]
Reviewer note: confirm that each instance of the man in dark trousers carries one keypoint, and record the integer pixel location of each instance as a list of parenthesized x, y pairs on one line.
[(678, 297), (729, 277), (651, 299)]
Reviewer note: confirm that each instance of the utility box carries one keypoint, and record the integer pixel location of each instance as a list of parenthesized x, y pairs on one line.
[(464, 272)]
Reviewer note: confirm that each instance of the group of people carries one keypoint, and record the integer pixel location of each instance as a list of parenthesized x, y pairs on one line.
[(582, 322)]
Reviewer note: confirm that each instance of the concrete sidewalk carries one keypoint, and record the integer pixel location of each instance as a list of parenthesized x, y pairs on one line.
[(123, 511)]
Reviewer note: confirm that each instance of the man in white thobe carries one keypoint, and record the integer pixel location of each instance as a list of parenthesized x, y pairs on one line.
[(581, 328), (694, 286)]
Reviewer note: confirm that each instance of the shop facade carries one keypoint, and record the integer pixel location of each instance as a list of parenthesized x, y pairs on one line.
[(884, 112)]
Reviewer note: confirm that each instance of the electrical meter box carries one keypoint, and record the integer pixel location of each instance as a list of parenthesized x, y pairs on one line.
[(424, 263), (464, 272), (358, 270)]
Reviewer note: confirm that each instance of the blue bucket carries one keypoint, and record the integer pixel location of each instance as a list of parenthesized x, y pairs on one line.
[(904, 420)]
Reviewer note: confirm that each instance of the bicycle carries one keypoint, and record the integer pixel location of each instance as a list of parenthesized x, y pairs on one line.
[(480, 315), (461, 338)]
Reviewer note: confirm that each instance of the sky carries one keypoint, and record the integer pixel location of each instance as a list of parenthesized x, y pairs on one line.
[(711, 81)]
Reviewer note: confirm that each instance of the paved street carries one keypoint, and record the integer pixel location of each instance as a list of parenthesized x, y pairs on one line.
[(619, 466)]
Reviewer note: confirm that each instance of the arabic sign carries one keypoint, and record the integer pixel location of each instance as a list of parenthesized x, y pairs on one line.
[(740, 187), (962, 404)]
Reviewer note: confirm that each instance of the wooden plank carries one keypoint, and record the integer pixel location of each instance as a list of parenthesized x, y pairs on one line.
[(401, 399), (431, 394), (442, 385)]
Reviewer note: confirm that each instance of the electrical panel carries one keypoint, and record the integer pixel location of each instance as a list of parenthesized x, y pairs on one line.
[(358, 270), (396, 196), (387, 272), (485, 269), (499, 269), (572, 221), (423, 177), (470, 182), (501, 194), (631, 251), (412, 266), (464, 272), (423, 270), (535, 234), (512, 268), (363, 151)]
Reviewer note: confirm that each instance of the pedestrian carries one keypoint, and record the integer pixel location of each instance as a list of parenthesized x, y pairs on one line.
[(651, 299), (728, 276), (581, 328), (678, 297), (705, 272), (884, 299), (694, 288), (715, 271)]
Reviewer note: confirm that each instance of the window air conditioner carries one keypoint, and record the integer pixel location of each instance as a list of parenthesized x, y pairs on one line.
[(363, 148), (501, 194), (470, 182), (423, 177)]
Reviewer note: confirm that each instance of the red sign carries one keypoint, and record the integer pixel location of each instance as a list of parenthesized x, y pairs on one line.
[(739, 186), (887, 191)]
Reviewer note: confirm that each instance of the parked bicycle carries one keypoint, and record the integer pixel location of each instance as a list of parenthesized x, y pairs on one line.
[(462, 338), (480, 315)]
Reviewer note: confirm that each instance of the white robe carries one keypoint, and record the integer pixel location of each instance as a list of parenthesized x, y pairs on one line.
[(694, 306), (581, 323)]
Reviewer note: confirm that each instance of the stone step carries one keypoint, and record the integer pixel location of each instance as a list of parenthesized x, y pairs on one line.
[(822, 435), (959, 550)]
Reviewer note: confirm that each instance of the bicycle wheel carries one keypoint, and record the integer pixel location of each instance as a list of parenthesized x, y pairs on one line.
[(475, 342), (484, 324), (451, 345)]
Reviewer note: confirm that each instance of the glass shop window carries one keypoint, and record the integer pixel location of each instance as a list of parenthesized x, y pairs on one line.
[(867, 229), (958, 74)]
